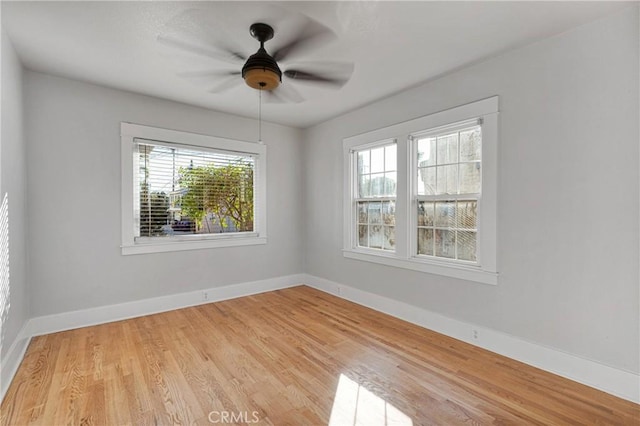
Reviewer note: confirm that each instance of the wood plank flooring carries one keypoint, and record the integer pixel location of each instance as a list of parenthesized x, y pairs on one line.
[(290, 357)]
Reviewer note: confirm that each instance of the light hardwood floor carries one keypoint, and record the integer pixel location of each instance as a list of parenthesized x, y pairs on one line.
[(295, 356)]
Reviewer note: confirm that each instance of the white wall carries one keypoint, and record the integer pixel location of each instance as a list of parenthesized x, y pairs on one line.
[(568, 194), (13, 178), (73, 148)]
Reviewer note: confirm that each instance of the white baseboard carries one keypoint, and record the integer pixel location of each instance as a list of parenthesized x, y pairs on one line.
[(86, 317), (12, 360), (608, 379), (617, 382), (103, 314)]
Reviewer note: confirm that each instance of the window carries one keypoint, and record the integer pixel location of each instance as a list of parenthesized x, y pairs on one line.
[(434, 210), (447, 170), (376, 195), (185, 191)]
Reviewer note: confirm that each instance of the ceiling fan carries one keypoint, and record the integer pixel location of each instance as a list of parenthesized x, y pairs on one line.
[(261, 70)]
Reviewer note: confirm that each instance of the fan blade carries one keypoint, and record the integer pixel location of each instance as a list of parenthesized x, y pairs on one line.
[(226, 85), (316, 78), (203, 32), (311, 34), (284, 93), (271, 97), (207, 73), (221, 54), (331, 73), (208, 78)]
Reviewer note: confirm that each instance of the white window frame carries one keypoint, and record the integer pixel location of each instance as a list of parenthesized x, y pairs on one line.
[(356, 198), (485, 269), (415, 197), (129, 132)]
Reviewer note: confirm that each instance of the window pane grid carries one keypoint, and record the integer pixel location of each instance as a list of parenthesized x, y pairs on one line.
[(375, 197), (376, 172), (449, 163), (448, 229), (448, 186), (376, 224), (451, 243)]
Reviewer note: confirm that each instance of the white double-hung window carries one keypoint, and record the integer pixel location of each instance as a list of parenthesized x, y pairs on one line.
[(375, 195), (421, 194), (183, 191), (447, 179)]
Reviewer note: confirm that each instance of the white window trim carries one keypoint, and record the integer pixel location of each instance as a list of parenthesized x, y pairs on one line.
[(129, 132), (486, 269)]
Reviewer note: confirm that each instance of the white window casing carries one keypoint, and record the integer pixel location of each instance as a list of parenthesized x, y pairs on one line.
[(132, 135), (484, 269)]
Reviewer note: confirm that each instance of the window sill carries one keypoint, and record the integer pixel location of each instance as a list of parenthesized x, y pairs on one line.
[(168, 246), (470, 273)]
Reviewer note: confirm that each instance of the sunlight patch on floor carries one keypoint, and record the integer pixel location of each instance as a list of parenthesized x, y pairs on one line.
[(356, 405)]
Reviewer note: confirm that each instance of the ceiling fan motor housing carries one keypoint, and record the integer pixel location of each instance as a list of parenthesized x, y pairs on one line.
[(261, 71)]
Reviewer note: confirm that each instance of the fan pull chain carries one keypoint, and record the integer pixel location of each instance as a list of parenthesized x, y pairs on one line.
[(260, 116)]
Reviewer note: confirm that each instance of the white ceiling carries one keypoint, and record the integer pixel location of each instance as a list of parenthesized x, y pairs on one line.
[(394, 45)]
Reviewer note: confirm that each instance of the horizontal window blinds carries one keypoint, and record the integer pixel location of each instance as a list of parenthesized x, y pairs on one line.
[(185, 190)]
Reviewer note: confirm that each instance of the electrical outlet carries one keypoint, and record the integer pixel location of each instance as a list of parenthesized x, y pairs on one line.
[(205, 295), (475, 334)]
